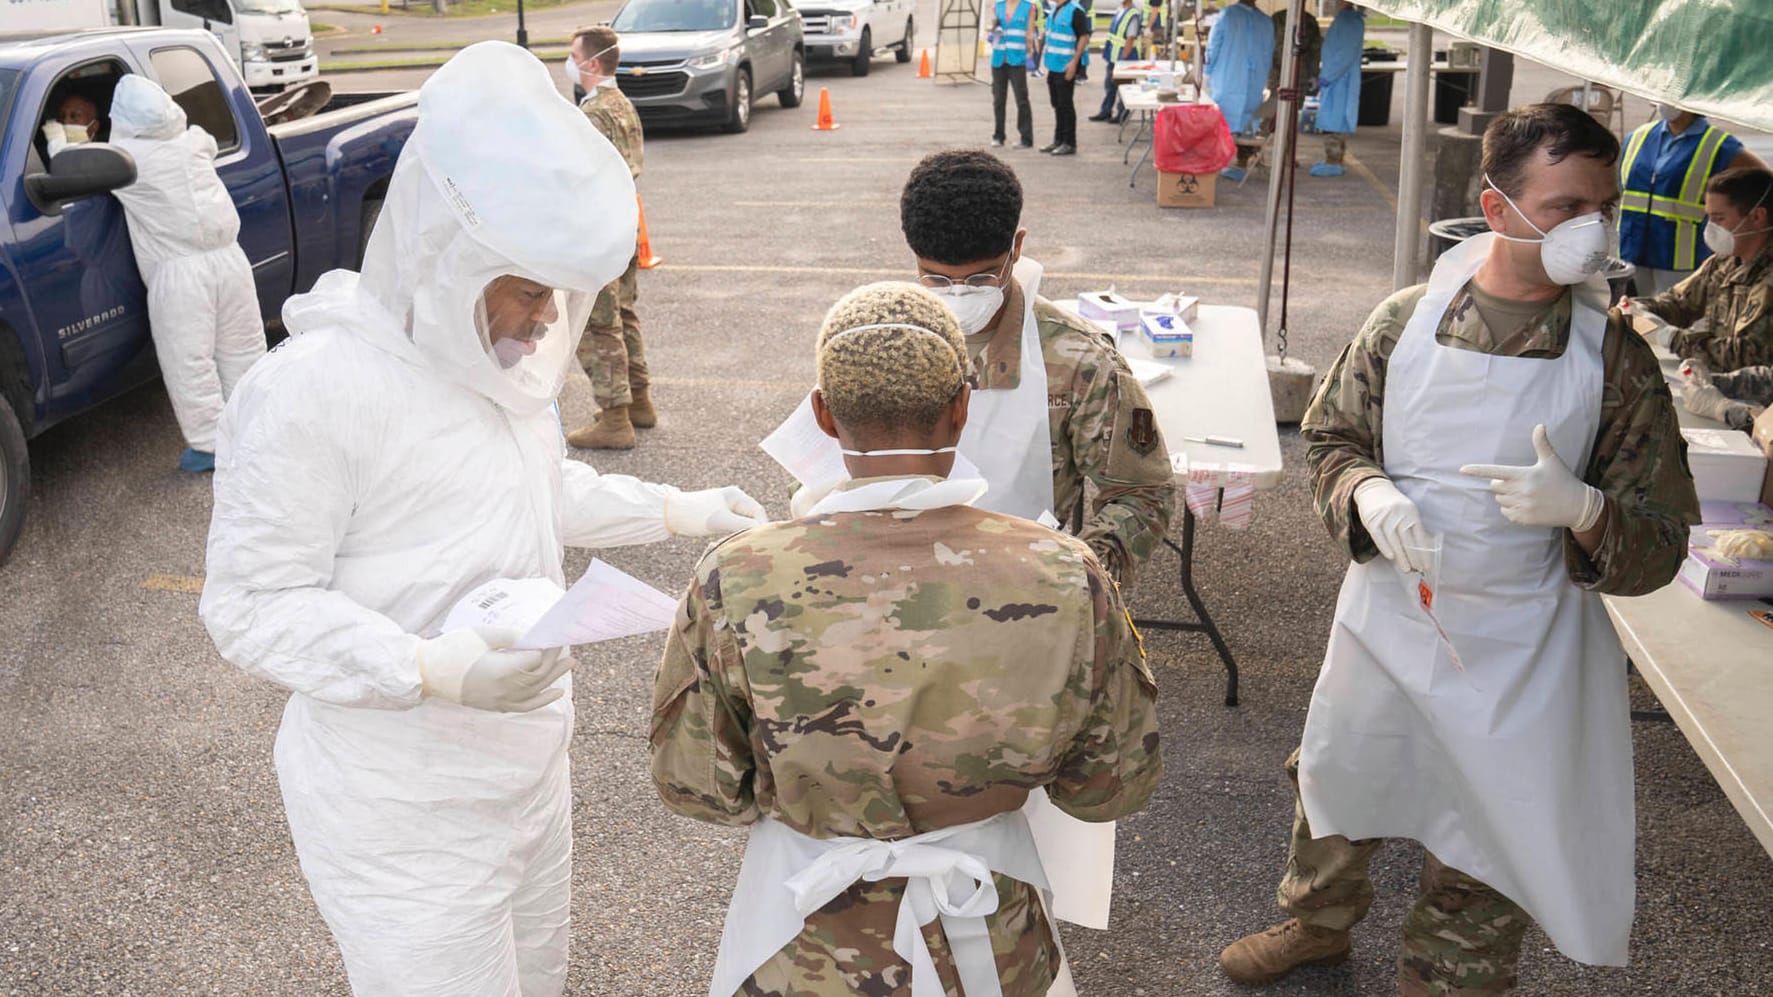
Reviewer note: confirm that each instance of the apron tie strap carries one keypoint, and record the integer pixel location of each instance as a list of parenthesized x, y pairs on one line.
[(940, 882)]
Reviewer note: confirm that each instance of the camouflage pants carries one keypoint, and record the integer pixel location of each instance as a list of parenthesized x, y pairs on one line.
[(1335, 147), (611, 351), (1461, 939)]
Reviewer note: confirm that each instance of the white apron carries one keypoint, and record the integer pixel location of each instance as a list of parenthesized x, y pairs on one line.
[(1008, 434), (1007, 438), (1518, 770), (787, 876)]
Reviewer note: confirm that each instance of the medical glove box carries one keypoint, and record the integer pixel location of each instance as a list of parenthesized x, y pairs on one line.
[(1123, 312), (1727, 466), (1165, 335), (1713, 576), (1730, 516)]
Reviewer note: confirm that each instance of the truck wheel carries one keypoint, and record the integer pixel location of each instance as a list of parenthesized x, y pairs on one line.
[(15, 478), (903, 55), (864, 54), (792, 96), (738, 117)]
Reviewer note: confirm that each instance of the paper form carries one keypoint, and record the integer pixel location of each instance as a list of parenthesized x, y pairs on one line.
[(604, 604)]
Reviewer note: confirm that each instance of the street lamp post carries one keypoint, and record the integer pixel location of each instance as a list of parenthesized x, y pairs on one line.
[(522, 33)]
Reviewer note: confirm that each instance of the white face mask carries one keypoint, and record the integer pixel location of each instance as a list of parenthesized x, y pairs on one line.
[(1667, 112), (1572, 251), (973, 307), (1722, 241), (572, 68)]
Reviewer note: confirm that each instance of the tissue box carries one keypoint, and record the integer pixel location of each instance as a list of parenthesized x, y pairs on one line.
[(1123, 312), (1730, 516), (1727, 466), (1166, 335), (1715, 577), (1184, 306)]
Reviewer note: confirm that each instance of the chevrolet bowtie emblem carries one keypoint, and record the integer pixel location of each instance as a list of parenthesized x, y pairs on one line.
[(637, 71)]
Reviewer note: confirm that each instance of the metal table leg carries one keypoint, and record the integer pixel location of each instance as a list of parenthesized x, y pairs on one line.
[(1143, 159), (1203, 621)]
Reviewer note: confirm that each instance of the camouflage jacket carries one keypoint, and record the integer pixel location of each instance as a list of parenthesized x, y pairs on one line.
[(1283, 49), (614, 116), (1753, 385), (1103, 431), (882, 674), (1638, 461), (1736, 302)]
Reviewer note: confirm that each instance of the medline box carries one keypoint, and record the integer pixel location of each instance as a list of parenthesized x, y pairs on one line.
[(1186, 190), (1166, 335), (1727, 466), (1713, 576), (1730, 516), (1123, 312)]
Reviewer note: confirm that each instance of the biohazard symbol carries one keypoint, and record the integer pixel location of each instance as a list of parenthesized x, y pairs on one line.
[(1187, 183)]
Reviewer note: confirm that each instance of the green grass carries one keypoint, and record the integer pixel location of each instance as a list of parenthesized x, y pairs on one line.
[(323, 29), (422, 8), (418, 62), (446, 46)]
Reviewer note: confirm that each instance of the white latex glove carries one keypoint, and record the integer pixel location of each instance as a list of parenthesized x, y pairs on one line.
[(472, 667), (1659, 332), (54, 133), (1705, 400), (1393, 521), (712, 512), (1763, 431), (1546, 493)]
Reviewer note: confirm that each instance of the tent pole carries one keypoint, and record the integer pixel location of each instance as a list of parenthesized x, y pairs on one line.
[(1283, 158), (1406, 258)]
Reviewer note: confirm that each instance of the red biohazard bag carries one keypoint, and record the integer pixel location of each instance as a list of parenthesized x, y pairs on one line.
[(1192, 138)]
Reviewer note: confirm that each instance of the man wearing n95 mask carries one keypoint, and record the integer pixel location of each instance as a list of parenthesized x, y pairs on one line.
[(1500, 415), (400, 450), (1723, 313), (1054, 405)]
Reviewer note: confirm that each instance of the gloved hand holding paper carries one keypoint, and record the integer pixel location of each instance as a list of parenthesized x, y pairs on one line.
[(604, 604)]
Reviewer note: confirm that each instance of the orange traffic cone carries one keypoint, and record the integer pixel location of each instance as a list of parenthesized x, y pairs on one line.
[(645, 249), (923, 67), (825, 122), (376, 30)]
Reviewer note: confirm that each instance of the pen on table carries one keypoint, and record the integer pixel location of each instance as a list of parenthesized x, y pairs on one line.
[(1216, 441)]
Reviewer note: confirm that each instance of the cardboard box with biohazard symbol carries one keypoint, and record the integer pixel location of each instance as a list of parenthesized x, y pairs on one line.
[(1185, 190)]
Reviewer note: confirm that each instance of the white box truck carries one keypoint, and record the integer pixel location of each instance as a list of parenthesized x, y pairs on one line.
[(270, 40)]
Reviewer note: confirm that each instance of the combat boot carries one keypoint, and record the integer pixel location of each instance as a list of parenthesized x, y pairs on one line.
[(611, 431), (1267, 956), (641, 413)]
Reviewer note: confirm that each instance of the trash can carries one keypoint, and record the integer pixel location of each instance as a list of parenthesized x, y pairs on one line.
[(1449, 232), (1453, 89), (1375, 106)]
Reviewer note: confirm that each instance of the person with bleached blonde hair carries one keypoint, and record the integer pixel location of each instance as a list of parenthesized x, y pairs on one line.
[(880, 688)]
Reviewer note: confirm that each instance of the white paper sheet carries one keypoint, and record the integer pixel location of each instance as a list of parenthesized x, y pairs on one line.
[(604, 604), (1079, 860), (1148, 372), (800, 446)]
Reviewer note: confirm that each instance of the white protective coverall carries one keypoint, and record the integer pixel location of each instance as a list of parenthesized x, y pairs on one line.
[(376, 468), (203, 305)]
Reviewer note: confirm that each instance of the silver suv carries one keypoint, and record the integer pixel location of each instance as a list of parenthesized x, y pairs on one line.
[(706, 61)]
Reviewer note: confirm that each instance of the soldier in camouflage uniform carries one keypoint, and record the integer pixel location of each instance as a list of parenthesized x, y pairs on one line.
[(1463, 936), (1732, 291), (889, 666), (960, 212), (612, 352)]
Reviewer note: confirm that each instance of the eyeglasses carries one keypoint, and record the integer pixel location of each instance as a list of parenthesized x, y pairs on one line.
[(984, 278)]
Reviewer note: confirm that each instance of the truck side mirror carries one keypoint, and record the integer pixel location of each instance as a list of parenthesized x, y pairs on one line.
[(80, 171), (757, 22)]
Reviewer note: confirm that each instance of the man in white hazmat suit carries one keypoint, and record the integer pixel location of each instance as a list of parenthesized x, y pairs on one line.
[(203, 305), (398, 451)]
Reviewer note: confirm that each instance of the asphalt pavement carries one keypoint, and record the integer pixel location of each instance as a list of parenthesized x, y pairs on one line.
[(142, 844)]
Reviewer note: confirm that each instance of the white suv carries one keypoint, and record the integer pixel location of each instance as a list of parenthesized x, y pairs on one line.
[(853, 30)]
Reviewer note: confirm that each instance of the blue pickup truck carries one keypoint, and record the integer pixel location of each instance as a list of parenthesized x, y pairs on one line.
[(73, 311)]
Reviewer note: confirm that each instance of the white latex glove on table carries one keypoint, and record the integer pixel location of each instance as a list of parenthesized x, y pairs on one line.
[(1546, 493), (472, 667), (1660, 334), (713, 512), (1393, 521)]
